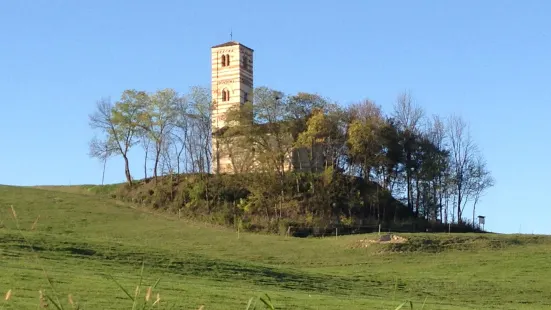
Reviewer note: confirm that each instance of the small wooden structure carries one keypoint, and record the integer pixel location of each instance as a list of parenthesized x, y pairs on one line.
[(481, 221)]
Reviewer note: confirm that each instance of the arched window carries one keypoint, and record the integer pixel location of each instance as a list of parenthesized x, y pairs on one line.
[(227, 60), (245, 62), (223, 60), (225, 95)]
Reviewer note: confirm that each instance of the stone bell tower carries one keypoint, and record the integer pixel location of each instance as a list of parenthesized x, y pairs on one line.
[(232, 86)]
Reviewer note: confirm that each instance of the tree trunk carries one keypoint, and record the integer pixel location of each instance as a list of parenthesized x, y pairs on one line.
[(103, 173), (157, 155), (127, 170), (145, 165), (417, 199), (410, 198), (474, 211), (459, 200)]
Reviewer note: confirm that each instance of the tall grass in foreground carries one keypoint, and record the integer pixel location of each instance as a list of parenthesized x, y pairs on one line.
[(143, 297)]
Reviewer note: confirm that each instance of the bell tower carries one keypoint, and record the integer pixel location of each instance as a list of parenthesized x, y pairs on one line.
[(232, 79), (231, 85)]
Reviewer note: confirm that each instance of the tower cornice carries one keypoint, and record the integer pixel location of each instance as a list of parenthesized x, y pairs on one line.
[(231, 43)]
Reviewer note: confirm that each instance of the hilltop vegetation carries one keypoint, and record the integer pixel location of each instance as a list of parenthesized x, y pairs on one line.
[(372, 162), (241, 202), (81, 239)]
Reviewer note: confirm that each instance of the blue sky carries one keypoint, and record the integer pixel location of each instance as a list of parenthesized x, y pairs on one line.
[(488, 61)]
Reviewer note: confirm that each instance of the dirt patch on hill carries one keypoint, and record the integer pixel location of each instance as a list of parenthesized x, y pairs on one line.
[(384, 239)]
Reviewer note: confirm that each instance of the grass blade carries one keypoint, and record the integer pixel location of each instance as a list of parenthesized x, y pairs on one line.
[(58, 306), (402, 305), (267, 302), (156, 282), (424, 302), (122, 288), (249, 304)]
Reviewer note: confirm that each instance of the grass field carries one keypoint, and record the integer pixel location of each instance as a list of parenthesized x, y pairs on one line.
[(81, 239)]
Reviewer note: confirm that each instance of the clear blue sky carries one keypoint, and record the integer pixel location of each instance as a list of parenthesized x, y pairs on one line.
[(489, 61)]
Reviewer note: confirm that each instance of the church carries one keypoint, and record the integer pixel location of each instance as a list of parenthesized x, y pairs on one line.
[(232, 86)]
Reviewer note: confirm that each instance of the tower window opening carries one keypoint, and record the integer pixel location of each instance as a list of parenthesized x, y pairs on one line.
[(245, 62), (227, 60), (245, 97), (225, 95), (223, 60)]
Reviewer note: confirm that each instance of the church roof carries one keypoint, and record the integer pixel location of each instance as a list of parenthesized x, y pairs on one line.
[(231, 43)]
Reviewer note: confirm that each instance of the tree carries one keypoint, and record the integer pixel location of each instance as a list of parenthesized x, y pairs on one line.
[(364, 141), (238, 142), (118, 124), (463, 152), (407, 114), (270, 131), (192, 129), (430, 164), (481, 180), (102, 150), (392, 154), (317, 132), (408, 117), (300, 108), (146, 145), (180, 134), (158, 118), (436, 134), (200, 101)]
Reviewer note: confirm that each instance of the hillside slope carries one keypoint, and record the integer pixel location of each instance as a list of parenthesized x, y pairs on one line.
[(82, 239)]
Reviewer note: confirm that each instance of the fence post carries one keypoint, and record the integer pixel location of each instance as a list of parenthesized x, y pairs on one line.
[(379, 229), (336, 232)]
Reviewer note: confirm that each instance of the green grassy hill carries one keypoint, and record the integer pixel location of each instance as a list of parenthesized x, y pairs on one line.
[(81, 239)]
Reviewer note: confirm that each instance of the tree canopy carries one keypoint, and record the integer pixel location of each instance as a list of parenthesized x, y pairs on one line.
[(430, 166)]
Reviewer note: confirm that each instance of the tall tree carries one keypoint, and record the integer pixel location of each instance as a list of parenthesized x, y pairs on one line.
[(119, 124), (300, 108), (436, 134), (364, 141), (392, 151), (102, 150), (198, 122), (158, 119), (313, 139), (408, 117), (463, 152), (481, 180), (271, 133)]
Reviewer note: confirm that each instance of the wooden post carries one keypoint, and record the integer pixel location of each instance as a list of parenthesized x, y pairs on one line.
[(379, 229), (336, 232)]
